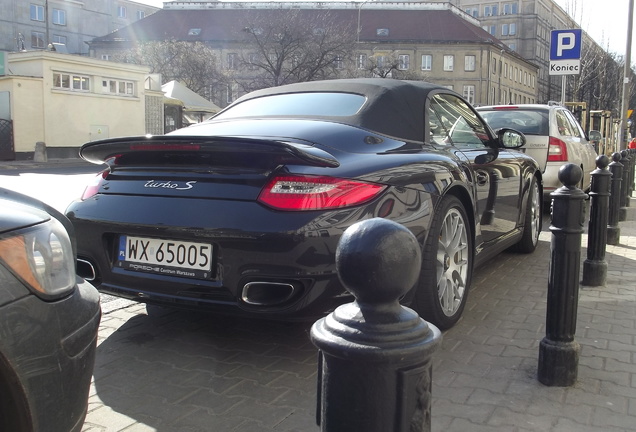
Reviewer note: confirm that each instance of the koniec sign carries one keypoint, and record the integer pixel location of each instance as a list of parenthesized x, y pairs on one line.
[(565, 52)]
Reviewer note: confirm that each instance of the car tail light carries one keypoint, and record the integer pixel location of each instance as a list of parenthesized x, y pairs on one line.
[(288, 192), (558, 151), (94, 185)]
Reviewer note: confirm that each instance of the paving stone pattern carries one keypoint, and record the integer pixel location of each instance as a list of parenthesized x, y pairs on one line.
[(187, 372)]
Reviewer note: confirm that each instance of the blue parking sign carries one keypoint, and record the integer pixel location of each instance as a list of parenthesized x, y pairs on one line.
[(565, 44)]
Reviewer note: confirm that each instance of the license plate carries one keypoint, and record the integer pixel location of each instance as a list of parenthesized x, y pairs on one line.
[(167, 257)]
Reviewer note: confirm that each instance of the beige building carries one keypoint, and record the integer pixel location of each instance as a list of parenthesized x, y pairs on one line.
[(436, 42), (65, 100)]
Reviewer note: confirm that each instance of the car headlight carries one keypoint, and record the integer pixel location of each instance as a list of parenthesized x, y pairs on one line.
[(42, 257)]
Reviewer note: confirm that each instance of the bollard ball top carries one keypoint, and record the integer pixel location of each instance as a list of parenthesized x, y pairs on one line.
[(378, 260), (602, 162), (616, 157), (570, 175), (624, 154)]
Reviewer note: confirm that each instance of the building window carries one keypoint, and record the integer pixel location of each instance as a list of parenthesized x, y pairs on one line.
[(253, 60), (121, 11), (59, 39), (490, 10), (513, 46), (505, 71), (59, 17), (105, 56), (37, 40), (362, 61), (337, 62), (427, 62), (232, 91), (448, 62), (71, 82), (37, 13), (382, 32), (494, 65), (513, 29), (510, 9), (118, 87), (469, 63), (141, 14), (474, 12), (525, 78), (404, 62), (469, 93), (504, 29), (232, 61)]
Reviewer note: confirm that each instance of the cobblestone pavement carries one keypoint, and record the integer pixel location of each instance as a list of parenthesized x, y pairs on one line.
[(184, 372)]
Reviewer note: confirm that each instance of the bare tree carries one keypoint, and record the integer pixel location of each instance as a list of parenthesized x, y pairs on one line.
[(288, 47), (192, 63)]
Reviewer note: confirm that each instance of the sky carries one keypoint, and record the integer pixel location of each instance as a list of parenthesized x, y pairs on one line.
[(605, 20)]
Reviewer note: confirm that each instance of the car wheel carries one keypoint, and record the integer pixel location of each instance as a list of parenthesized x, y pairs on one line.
[(447, 265), (532, 221)]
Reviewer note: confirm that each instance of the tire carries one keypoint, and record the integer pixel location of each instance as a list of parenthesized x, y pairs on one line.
[(447, 266), (532, 221)]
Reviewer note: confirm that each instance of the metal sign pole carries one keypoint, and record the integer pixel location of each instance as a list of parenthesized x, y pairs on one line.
[(563, 89), (623, 134)]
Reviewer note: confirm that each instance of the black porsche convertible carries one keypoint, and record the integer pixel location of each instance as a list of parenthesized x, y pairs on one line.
[(242, 213)]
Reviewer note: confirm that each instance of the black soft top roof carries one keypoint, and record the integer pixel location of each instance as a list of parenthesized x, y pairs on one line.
[(393, 107)]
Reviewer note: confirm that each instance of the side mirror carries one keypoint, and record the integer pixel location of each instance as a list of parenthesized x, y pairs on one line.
[(595, 135), (510, 138)]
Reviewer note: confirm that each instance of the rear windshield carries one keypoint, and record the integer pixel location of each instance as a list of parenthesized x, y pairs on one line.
[(530, 122), (297, 104)]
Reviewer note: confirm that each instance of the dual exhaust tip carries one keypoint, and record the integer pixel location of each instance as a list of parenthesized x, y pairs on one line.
[(256, 293)]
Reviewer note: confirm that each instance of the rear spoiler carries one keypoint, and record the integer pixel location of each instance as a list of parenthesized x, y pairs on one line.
[(284, 151)]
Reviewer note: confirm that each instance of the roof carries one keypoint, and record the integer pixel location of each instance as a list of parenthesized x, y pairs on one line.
[(226, 25), (192, 102), (394, 108)]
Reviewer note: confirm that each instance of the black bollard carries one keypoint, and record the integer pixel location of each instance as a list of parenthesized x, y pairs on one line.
[(613, 229), (558, 351), (622, 211), (595, 266), (374, 371)]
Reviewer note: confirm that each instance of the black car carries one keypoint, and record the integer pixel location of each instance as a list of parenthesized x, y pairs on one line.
[(49, 319), (243, 213)]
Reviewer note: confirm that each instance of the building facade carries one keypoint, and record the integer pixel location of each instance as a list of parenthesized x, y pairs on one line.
[(433, 41), (27, 25)]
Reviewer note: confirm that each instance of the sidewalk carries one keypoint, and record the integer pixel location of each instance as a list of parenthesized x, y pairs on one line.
[(183, 372)]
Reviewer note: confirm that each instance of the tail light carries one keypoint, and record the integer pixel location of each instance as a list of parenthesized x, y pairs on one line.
[(558, 151), (94, 185), (287, 192)]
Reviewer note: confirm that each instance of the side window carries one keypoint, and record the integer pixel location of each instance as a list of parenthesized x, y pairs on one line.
[(563, 124), (574, 125), (453, 122)]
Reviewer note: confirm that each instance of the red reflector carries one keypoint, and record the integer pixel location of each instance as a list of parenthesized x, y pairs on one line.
[(557, 151), (316, 193), (163, 147)]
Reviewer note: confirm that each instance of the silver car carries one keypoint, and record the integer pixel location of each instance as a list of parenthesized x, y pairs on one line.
[(553, 138)]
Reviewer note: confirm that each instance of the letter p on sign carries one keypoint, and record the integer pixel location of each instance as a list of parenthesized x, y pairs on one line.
[(565, 41)]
